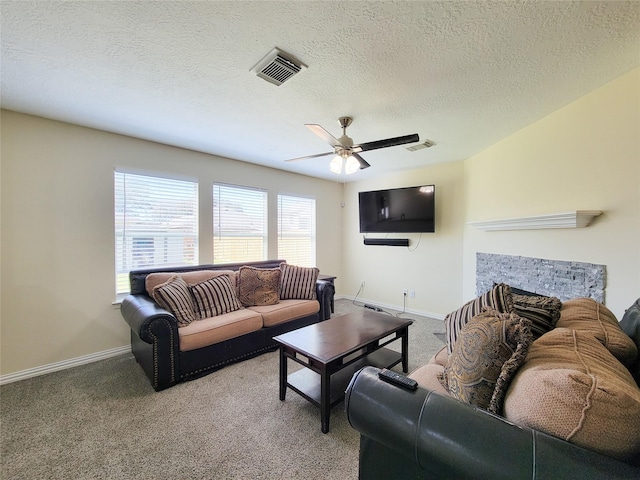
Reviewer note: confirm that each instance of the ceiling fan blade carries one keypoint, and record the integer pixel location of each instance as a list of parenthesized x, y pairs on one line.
[(363, 163), (389, 142), (309, 156), (323, 134)]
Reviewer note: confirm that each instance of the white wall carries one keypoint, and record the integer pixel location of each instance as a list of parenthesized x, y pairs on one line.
[(431, 265), (57, 249), (585, 156)]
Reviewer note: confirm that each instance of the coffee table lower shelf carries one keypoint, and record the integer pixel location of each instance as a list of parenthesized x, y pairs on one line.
[(306, 382)]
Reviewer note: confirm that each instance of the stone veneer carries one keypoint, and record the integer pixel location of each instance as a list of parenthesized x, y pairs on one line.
[(561, 279)]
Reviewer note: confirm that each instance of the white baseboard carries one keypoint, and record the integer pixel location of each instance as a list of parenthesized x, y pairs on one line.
[(437, 316), (54, 367)]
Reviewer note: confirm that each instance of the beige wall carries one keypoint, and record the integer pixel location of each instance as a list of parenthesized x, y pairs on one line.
[(57, 219), (431, 265), (585, 156), (57, 245)]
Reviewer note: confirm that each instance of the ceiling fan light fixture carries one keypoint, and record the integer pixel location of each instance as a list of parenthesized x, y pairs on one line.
[(336, 165), (352, 165)]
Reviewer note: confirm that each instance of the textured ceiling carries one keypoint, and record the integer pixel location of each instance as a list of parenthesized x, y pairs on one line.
[(462, 74)]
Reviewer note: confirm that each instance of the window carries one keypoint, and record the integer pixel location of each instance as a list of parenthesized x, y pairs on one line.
[(297, 230), (156, 224), (239, 224)]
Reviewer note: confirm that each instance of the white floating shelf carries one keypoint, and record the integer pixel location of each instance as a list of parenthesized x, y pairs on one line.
[(574, 219)]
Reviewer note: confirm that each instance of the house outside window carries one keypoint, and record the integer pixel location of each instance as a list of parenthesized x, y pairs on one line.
[(239, 224), (156, 224), (297, 230)]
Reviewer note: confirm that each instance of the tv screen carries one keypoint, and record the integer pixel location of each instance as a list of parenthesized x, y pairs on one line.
[(398, 210)]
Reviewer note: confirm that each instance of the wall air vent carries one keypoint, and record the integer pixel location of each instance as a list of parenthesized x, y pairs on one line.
[(277, 67), (420, 146)]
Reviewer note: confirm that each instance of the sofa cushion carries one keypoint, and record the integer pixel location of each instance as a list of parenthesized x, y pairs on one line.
[(489, 350), (298, 282), (286, 310), (587, 315), (202, 333), (498, 298), (573, 388), (173, 295), (258, 286), (191, 278), (215, 296), (427, 377), (543, 312)]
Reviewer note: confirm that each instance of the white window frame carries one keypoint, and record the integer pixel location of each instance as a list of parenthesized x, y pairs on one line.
[(240, 223), (294, 222), (167, 237)]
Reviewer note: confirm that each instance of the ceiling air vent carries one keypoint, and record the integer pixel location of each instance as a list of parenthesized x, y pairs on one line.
[(277, 67), (420, 146)]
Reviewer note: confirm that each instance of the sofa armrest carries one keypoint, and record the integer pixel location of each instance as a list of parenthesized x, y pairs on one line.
[(154, 339), (324, 293), (147, 319), (445, 438)]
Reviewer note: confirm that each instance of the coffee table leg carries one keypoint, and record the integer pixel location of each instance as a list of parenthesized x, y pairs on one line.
[(405, 350), (283, 374), (325, 400)]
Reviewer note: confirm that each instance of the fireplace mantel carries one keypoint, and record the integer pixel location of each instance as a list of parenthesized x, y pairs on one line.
[(573, 219)]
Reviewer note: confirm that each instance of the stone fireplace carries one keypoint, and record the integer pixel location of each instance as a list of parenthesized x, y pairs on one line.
[(557, 278)]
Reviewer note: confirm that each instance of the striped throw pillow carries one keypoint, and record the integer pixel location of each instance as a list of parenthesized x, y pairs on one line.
[(498, 298), (215, 296), (298, 283), (173, 295), (543, 312)]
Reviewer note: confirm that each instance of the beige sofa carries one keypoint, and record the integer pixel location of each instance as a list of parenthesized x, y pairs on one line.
[(570, 407), (187, 322), (574, 381)]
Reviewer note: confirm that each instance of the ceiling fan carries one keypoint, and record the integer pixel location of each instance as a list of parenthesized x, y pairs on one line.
[(346, 152)]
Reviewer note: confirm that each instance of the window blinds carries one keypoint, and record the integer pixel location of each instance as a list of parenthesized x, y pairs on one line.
[(297, 230), (239, 224), (156, 224)]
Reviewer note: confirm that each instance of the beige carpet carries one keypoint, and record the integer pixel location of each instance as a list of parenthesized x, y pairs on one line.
[(104, 421)]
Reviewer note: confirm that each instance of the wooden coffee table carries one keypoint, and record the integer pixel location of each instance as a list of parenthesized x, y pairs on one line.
[(333, 350)]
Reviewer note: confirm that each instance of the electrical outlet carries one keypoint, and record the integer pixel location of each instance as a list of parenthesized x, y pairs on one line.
[(404, 292), (362, 284), (412, 293)]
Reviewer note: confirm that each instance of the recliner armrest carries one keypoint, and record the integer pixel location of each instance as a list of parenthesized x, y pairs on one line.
[(446, 438)]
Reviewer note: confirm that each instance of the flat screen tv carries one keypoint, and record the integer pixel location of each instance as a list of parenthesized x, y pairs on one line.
[(398, 210)]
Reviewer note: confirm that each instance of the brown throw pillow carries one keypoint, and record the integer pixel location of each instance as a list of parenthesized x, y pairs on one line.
[(298, 283), (573, 388), (215, 296), (498, 298), (587, 315), (543, 312), (489, 350), (258, 286), (173, 295)]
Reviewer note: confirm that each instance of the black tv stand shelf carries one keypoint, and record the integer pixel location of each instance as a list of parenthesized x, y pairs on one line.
[(393, 242)]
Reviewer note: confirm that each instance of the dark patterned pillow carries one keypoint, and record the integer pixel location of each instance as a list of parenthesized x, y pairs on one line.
[(490, 349), (498, 298), (215, 296), (173, 295), (543, 312), (258, 286), (298, 282)]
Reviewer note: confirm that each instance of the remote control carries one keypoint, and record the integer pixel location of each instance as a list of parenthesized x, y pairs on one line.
[(397, 379)]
